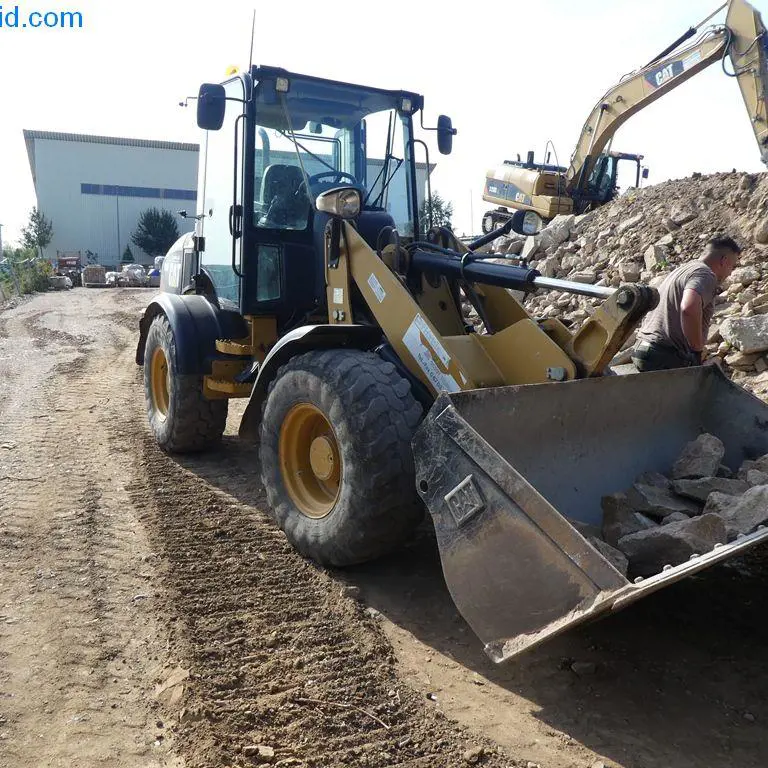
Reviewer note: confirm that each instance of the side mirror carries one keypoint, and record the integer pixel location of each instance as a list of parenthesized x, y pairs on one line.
[(445, 134), (526, 223), (211, 103), (344, 203)]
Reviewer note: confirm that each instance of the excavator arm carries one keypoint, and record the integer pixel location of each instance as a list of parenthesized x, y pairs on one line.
[(743, 39)]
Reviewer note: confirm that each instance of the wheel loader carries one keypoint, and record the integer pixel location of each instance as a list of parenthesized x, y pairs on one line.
[(312, 288), (590, 179)]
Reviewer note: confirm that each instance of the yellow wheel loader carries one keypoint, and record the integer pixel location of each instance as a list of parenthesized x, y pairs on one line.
[(591, 178), (311, 287)]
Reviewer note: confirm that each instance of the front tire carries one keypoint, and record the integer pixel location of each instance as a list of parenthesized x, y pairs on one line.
[(181, 418), (336, 458)]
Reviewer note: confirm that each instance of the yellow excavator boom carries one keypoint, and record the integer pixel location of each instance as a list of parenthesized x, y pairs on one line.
[(589, 180), (742, 39)]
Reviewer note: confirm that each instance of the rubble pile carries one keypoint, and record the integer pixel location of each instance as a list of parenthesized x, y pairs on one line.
[(646, 233), (665, 520)]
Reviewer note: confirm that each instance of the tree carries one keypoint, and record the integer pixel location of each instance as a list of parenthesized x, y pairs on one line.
[(441, 210), (127, 256), (38, 233), (156, 232)]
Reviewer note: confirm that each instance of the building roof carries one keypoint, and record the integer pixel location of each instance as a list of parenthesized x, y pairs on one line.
[(30, 136)]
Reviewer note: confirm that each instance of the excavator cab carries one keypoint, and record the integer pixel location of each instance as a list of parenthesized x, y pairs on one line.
[(602, 185)]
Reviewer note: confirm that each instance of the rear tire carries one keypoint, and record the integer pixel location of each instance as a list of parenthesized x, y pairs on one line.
[(181, 418), (336, 458)]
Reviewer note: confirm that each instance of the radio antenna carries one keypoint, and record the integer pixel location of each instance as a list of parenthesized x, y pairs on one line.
[(253, 31)]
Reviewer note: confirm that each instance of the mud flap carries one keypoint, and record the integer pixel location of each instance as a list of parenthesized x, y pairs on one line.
[(503, 469)]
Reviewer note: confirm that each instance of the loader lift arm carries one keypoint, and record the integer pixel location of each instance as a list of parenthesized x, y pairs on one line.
[(742, 38)]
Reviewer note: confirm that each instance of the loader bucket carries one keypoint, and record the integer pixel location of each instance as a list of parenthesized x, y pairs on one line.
[(502, 469)]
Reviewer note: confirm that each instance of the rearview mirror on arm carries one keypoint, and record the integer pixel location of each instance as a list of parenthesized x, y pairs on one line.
[(211, 103), (445, 134)]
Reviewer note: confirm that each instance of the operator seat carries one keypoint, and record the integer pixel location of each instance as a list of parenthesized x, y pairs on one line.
[(284, 197)]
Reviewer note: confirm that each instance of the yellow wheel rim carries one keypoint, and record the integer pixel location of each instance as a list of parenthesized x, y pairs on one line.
[(158, 377), (310, 461)]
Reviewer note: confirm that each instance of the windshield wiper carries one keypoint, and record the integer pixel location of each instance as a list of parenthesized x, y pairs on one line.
[(299, 144), (295, 142), (379, 201), (384, 167)]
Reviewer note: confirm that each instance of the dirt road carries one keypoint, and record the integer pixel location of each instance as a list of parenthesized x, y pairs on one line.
[(151, 614)]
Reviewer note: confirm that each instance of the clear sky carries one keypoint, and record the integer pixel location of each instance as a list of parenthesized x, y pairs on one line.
[(511, 75)]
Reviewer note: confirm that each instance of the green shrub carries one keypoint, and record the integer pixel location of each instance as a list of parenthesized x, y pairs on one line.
[(23, 272)]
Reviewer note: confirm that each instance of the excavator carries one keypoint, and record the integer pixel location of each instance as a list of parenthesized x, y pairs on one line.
[(312, 289), (591, 178)]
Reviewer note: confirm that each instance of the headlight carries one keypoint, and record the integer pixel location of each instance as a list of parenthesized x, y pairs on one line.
[(526, 222), (344, 203), (531, 223)]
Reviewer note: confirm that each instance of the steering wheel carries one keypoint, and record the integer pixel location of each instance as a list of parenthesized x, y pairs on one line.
[(336, 177)]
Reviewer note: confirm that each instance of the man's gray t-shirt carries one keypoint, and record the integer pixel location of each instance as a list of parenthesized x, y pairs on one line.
[(663, 325)]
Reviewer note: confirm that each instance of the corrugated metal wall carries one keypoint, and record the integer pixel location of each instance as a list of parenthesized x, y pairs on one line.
[(83, 222)]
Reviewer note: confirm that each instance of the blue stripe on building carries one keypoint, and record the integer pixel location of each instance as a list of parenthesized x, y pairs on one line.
[(115, 190)]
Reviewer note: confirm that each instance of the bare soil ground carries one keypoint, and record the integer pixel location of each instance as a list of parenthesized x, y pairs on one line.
[(152, 615)]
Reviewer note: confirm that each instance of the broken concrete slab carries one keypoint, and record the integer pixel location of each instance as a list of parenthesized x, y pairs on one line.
[(586, 276), (744, 276), (747, 334), (549, 266), (585, 529), (717, 503), (620, 519), (659, 502), (530, 247), (700, 458), (682, 215), (611, 554), (756, 477), (675, 517), (700, 488), (580, 222), (745, 513), (741, 361), (629, 223), (654, 256), (655, 479), (560, 227), (649, 551), (629, 271)]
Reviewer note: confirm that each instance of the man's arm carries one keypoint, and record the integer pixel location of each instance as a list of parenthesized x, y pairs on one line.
[(692, 319)]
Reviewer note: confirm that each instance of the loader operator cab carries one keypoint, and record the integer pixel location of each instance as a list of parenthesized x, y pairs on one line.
[(274, 142)]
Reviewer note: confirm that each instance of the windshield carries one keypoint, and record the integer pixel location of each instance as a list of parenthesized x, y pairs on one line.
[(319, 136), (603, 178)]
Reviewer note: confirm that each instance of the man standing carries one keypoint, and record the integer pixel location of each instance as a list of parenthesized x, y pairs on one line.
[(673, 335)]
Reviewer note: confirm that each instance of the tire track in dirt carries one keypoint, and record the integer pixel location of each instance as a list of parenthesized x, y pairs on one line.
[(75, 645), (274, 643)]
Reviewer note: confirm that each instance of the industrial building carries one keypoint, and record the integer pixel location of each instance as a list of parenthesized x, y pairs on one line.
[(94, 188)]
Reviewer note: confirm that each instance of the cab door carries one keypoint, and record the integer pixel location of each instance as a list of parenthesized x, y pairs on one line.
[(220, 206), (283, 249)]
